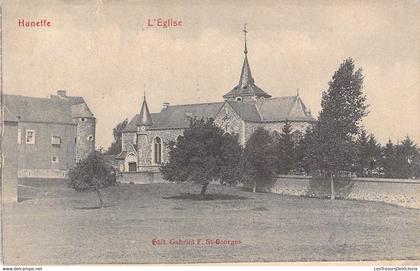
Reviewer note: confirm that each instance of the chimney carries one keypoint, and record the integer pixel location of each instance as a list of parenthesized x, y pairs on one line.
[(165, 105), (61, 93)]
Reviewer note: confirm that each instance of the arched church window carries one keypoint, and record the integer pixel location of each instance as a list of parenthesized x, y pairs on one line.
[(157, 150)]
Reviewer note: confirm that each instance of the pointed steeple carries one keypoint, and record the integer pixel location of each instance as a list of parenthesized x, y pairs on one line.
[(246, 87), (144, 118), (246, 75)]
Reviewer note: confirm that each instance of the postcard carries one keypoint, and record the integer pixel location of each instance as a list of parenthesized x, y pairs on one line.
[(210, 132)]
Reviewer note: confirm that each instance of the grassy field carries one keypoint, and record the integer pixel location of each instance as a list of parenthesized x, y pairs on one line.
[(55, 225)]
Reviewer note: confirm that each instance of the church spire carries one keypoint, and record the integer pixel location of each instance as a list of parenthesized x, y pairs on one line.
[(245, 32), (246, 76), (144, 118), (246, 89)]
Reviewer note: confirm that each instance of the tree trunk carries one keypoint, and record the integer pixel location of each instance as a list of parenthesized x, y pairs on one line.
[(254, 189), (101, 202), (203, 191), (332, 187)]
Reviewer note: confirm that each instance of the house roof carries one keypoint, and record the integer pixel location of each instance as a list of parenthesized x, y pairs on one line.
[(8, 116), (79, 107), (177, 116), (33, 109)]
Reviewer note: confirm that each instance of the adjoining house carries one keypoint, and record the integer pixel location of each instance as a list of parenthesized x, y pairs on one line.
[(245, 108), (8, 156), (52, 133)]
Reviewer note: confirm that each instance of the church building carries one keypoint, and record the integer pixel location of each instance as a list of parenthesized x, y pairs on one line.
[(145, 139)]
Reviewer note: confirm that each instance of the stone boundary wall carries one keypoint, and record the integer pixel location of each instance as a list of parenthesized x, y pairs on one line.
[(42, 173), (401, 192), (141, 177)]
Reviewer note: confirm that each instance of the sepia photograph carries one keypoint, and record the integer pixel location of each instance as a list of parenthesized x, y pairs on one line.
[(210, 132)]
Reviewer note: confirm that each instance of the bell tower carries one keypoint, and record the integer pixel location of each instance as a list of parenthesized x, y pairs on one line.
[(143, 123), (246, 90)]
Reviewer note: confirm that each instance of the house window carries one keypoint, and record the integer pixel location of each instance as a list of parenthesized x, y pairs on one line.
[(83, 119), (238, 99), (19, 137), (54, 159), (56, 140), (157, 150), (30, 136), (90, 138)]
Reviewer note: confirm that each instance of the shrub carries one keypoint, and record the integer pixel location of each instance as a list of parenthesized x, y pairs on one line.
[(92, 174)]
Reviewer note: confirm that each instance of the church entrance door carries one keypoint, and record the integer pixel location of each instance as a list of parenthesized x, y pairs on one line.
[(132, 166)]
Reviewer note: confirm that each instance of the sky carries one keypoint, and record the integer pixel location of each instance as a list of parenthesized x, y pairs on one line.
[(106, 52)]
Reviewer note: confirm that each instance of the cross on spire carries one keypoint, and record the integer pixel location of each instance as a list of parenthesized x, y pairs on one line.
[(245, 32)]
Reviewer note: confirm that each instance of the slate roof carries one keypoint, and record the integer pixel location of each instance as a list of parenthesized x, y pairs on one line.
[(144, 118), (32, 109), (121, 155), (8, 116), (177, 116), (247, 111), (79, 107), (282, 108), (269, 110), (273, 110)]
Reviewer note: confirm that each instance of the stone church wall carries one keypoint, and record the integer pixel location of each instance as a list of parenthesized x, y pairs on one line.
[(127, 139), (146, 151), (230, 122)]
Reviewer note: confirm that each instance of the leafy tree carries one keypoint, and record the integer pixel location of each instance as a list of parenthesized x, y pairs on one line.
[(368, 151), (374, 154), (306, 151), (116, 145), (203, 153), (388, 159), (362, 153), (92, 174), (286, 150), (416, 165), (259, 160), (343, 107), (406, 157)]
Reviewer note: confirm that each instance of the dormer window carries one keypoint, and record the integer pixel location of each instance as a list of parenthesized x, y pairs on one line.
[(238, 99)]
